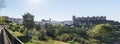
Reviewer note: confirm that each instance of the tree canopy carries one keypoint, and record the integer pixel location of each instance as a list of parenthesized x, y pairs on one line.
[(2, 20), (28, 21), (101, 30)]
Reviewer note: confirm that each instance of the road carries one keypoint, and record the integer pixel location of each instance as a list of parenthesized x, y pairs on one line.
[(1, 38)]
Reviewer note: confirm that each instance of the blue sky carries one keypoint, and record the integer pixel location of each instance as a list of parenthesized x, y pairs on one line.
[(61, 10)]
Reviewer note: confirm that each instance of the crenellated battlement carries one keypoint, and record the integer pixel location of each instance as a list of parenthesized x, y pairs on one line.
[(89, 18)]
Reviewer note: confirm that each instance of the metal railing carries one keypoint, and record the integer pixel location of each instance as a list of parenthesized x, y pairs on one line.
[(9, 38)]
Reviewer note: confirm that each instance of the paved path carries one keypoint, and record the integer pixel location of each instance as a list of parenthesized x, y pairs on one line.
[(1, 38)]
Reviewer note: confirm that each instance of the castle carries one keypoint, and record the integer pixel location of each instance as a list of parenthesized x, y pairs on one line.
[(94, 18), (78, 21), (88, 20)]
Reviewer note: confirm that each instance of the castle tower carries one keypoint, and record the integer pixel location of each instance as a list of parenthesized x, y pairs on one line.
[(74, 20)]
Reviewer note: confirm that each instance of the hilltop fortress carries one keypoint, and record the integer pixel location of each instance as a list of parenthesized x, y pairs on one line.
[(88, 20), (79, 21), (94, 18)]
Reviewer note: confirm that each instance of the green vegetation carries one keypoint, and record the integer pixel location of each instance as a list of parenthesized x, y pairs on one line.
[(61, 34), (28, 21), (65, 35), (16, 33), (46, 42), (31, 33), (2, 20), (101, 31)]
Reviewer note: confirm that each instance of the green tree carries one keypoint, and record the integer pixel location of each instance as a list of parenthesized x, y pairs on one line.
[(2, 20), (57, 32), (43, 34), (28, 21), (50, 30), (101, 30), (64, 37)]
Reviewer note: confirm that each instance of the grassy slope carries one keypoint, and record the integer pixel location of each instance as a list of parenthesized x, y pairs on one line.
[(46, 42), (37, 41), (16, 33)]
